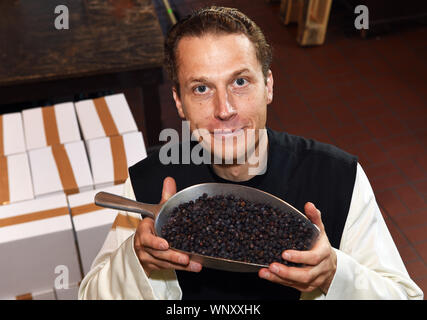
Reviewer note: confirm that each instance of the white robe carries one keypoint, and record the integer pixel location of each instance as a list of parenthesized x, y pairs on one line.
[(368, 263)]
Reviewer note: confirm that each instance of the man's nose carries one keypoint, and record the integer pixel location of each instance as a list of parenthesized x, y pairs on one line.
[(224, 108)]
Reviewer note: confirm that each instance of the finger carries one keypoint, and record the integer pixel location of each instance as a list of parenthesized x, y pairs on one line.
[(137, 241), (148, 260), (169, 255), (314, 215), (150, 267), (148, 238), (300, 275), (169, 189), (264, 273), (191, 267), (311, 257)]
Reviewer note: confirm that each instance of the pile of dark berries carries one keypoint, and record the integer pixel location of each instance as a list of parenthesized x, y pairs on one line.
[(234, 228)]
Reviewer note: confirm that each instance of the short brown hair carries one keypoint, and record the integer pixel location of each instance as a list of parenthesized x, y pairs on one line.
[(215, 20)]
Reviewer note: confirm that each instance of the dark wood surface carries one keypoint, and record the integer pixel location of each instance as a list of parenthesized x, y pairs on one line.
[(110, 45), (102, 38)]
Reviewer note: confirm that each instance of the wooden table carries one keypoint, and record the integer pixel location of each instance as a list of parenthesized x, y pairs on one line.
[(110, 45)]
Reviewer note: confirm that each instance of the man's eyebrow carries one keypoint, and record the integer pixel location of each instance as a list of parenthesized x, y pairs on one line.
[(206, 80), (201, 79), (239, 72)]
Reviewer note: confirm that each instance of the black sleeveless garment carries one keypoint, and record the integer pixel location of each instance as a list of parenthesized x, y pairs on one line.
[(299, 170)]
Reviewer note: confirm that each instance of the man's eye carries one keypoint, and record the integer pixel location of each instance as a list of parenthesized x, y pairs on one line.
[(240, 82), (201, 89)]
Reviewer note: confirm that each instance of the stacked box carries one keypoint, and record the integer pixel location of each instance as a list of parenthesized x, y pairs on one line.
[(42, 156), (69, 293), (60, 169), (105, 116), (91, 222), (15, 179), (48, 294), (37, 246), (110, 157), (50, 125), (11, 134)]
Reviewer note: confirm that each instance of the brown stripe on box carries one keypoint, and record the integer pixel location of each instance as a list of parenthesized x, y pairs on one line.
[(65, 170), (118, 153), (127, 222), (50, 126), (4, 181), (1, 136), (105, 117), (25, 296), (85, 208), (33, 216)]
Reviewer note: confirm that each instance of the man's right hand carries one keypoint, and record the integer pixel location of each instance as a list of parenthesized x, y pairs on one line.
[(153, 252)]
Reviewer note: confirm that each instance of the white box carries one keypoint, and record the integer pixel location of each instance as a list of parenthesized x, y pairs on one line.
[(50, 125), (60, 168), (40, 295), (91, 223), (71, 293), (105, 116), (11, 134), (15, 179), (37, 246), (110, 157)]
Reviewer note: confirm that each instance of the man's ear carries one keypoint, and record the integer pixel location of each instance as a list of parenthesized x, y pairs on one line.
[(269, 87), (178, 102)]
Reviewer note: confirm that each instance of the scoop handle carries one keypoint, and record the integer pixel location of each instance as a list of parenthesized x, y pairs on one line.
[(109, 200)]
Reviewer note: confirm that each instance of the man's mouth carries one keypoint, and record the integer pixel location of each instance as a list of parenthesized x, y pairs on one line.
[(227, 133)]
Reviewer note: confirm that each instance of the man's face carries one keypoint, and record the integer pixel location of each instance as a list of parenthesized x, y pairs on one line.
[(222, 87)]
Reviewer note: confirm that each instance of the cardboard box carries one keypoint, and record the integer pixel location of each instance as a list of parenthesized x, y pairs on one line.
[(91, 223), (37, 246), (15, 179), (41, 295), (50, 125), (11, 134), (105, 116), (60, 169), (110, 157), (70, 293)]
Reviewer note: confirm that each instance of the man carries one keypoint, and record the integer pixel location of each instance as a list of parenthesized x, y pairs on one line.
[(219, 62)]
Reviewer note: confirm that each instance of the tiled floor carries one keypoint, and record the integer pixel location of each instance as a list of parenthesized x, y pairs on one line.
[(367, 96)]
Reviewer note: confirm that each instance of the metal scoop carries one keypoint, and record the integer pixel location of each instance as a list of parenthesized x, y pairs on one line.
[(161, 213)]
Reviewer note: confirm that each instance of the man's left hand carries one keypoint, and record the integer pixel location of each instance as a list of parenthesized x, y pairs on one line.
[(320, 262)]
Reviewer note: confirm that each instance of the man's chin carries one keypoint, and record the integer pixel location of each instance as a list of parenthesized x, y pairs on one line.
[(227, 151)]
